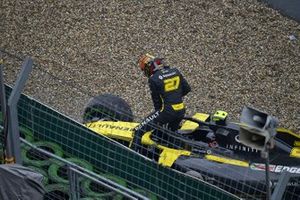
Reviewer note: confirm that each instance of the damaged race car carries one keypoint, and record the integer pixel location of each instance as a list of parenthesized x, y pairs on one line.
[(206, 146)]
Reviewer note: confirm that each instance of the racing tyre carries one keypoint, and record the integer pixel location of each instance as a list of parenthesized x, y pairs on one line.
[(94, 190), (33, 157), (58, 171), (56, 192), (107, 106)]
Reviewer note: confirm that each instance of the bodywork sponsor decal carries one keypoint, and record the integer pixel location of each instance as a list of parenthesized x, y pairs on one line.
[(275, 168)]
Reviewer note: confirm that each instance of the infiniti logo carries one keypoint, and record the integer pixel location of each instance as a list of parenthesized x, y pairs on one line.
[(236, 138)]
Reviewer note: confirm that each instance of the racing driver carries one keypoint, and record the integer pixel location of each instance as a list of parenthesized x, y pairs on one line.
[(167, 87)]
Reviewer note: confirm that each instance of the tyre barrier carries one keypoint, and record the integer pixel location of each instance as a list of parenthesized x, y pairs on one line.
[(33, 157), (41, 171), (56, 192), (58, 171), (96, 191), (26, 134)]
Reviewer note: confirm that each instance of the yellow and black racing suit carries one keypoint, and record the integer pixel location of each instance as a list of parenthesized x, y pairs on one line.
[(168, 87)]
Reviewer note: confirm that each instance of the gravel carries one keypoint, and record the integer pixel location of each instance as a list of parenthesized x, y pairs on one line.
[(232, 52)]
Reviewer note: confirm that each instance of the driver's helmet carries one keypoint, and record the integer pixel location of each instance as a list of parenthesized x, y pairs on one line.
[(149, 64)]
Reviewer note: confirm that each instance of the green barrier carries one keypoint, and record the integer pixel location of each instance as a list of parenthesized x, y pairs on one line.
[(56, 191), (31, 156), (58, 171), (95, 190), (26, 134), (149, 195)]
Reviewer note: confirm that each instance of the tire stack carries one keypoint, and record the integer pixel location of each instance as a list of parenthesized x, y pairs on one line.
[(41, 163), (56, 181)]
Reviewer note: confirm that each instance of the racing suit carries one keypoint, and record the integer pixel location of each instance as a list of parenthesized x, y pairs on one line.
[(168, 87)]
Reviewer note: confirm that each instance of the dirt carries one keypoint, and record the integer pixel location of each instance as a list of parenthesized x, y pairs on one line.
[(233, 53)]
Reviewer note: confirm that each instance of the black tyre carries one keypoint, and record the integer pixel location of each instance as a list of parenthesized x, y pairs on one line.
[(58, 171), (94, 190), (33, 157), (41, 171), (107, 106), (56, 192)]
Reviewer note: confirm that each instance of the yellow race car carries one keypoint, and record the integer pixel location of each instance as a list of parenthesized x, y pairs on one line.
[(206, 146)]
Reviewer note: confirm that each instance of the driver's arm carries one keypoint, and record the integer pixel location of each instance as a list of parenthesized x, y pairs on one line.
[(186, 88), (157, 103)]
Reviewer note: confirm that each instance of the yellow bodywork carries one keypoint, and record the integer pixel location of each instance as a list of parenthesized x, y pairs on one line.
[(116, 130), (189, 125), (227, 160), (168, 155), (295, 152), (287, 131), (124, 131)]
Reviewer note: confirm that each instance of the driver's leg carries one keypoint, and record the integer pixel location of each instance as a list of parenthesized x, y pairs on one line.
[(173, 125)]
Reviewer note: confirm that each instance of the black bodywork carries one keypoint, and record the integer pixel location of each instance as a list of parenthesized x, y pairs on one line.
[(250, 181)]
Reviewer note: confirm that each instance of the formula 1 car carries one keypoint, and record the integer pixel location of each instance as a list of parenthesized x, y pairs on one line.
[(206, 146)]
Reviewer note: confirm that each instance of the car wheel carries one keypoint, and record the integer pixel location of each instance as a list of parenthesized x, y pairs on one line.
[(107, 106)]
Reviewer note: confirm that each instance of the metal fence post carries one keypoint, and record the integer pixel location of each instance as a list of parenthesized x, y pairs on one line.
[(13, 138), (281, 186), (74, 189)]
